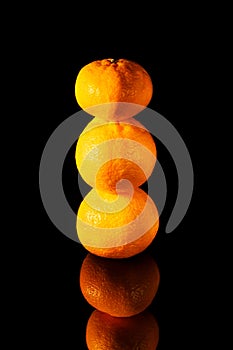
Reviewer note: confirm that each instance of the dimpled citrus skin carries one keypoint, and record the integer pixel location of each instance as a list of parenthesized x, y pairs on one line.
[(135, 226), (119, 288), (140, 332), (109, 80), (109, 152)]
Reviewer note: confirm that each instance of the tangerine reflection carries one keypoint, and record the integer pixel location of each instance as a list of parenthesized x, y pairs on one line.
[(120, 288), (117, 333)]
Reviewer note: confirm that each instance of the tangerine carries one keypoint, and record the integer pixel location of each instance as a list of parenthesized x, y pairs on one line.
[(105, 332), (107, 152), (111, 81), (120, 288), (117, 226)]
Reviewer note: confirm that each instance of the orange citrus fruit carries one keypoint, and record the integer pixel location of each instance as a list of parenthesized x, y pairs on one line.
[(109, 82), (140, 332), (117, 226), (107, 152), (120, 288)]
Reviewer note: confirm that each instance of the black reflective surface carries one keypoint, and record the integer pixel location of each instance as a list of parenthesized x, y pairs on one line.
[(66, 312)]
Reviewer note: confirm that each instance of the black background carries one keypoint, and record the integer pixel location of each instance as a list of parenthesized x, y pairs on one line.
[(175, 73)]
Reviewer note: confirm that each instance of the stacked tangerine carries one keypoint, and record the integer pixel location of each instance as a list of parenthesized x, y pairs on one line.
[(115, 154)]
